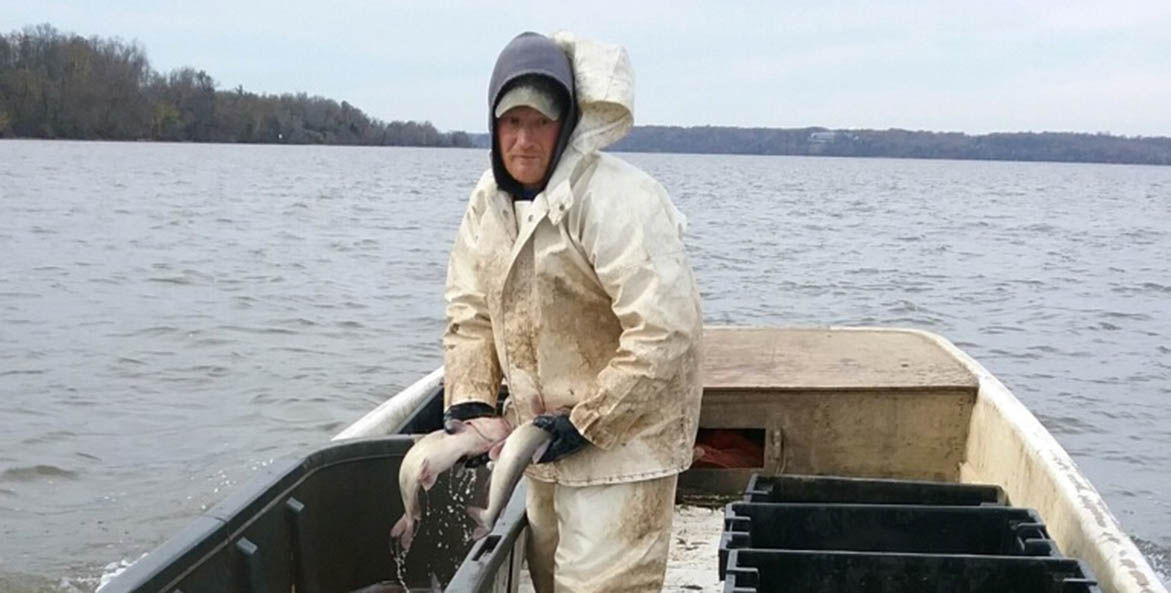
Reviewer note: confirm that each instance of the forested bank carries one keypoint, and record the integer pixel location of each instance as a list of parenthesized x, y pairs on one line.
[(61, 85), (1022, 146)]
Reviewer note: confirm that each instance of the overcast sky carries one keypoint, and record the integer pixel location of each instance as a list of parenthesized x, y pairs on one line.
[(973, 67)]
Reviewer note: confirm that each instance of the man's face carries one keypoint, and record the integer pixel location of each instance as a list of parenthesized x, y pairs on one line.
[(527, 139)]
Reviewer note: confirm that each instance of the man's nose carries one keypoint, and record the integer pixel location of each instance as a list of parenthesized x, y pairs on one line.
[(526, 135)]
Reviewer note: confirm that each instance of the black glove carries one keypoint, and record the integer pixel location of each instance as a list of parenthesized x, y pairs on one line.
[(566, 438), (462, 412)]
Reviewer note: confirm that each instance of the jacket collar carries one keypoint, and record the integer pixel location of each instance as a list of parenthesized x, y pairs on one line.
[(558, 193)]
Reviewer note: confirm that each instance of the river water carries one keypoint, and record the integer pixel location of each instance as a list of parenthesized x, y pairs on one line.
[(175, 316)]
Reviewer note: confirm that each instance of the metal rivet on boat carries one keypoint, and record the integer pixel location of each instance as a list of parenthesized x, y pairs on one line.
[(530, 218)]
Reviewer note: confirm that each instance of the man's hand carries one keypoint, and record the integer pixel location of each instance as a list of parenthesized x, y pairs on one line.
[(566, 438), (463, 412)]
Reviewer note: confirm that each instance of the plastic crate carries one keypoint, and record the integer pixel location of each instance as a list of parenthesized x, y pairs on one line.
[(800, 488), (1001, 531), (775, 571)]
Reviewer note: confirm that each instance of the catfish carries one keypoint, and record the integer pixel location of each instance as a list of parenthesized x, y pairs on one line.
[(436, 453), (525, 445)]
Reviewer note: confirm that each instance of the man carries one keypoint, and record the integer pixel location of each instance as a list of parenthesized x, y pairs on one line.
[(569, 279)]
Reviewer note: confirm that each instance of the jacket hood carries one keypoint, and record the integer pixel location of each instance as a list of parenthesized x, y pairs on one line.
[(604, 81), (531, 55), (598, 81)]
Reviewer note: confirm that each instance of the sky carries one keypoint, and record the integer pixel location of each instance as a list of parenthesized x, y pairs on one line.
[(946, 65)]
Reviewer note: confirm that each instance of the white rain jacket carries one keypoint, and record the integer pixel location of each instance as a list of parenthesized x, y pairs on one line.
[(594, 309)]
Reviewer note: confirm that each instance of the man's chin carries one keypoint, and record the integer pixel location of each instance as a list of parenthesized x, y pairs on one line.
[(525, 175)]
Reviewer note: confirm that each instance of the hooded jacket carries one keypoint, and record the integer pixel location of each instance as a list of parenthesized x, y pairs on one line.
[(592, 309)]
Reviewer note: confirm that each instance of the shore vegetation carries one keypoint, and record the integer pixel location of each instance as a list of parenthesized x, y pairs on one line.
[(62, 85)]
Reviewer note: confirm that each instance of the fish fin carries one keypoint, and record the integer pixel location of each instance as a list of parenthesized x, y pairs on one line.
[(426, 476), (494, 452), (540, 451), (479, 516)]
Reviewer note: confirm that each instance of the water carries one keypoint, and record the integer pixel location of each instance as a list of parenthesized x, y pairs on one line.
[(174, 317)]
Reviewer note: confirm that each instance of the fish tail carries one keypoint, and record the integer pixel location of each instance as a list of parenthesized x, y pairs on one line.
[(480, 516), (540, 451), (404, 531)]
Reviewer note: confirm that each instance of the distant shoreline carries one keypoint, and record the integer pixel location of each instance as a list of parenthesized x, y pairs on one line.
[(1159, 156), (1057, 147)]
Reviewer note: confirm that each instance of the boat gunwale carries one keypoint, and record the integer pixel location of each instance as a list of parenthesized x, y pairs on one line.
[(1116, 561)]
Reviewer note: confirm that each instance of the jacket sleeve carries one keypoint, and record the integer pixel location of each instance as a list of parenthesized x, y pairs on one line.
[(471, 368), (634, 242)]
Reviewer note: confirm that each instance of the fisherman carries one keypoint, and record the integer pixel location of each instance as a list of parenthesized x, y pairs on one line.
[(568, 279)]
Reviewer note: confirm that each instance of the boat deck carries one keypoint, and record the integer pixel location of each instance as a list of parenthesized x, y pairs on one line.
[(828, 360), (850, 402)]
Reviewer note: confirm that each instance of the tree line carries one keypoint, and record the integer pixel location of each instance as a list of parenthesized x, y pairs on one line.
[(62, 85), (894, 143)]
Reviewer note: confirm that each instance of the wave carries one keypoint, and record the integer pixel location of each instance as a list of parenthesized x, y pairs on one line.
[(18, 582), (114, 569), (182, 280), (1068, 424), (1158, 555), (154, 330), (1122, 315), (23, 372), (258, 330), (32, 473), (50, 437)]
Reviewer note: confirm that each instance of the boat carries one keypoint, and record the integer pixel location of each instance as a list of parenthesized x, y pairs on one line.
[(840, 402)]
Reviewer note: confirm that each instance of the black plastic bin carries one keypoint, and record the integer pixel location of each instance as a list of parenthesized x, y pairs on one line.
[(1002, 531), (774, 571), (318, 525), (802, 488), (321, 524)]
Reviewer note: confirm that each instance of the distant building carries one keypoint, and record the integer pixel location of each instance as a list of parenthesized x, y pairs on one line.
[(827, 137)]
